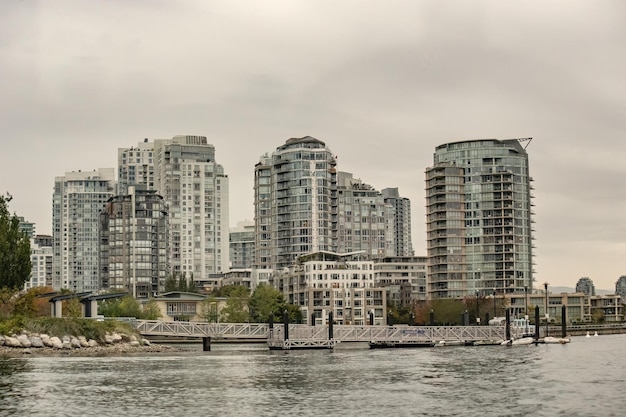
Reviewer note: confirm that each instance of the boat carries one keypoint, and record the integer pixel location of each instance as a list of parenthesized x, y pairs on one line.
[(561, 340)]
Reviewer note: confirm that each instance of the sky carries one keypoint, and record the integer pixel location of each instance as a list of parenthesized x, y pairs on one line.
[(381, 83)]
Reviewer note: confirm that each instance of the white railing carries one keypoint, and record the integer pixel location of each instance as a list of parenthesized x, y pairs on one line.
[(342, 333)]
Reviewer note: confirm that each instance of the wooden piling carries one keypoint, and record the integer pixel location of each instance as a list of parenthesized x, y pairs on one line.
[(536, 322), (206, 344)]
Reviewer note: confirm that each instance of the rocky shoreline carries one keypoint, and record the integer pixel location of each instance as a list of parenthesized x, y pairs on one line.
[(44, 345)]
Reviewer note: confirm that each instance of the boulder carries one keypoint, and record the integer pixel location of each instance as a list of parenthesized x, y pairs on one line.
[(92, 343), (11, 342), (125, 337), (83, 341), (67, 345), (117, 338), (134, 343), (56, 342), (145, 342), (108, 339), (65, 338), (36, 342), (23, 339), (75, 342), (1, 340)]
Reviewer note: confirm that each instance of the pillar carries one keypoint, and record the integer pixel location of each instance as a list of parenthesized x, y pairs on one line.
[(206, 344)]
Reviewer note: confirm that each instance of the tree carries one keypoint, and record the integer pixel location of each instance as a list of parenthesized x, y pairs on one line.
[(266, 300), (236, 308), (15, 265), (182, 283), (209, 309), (171, 284)]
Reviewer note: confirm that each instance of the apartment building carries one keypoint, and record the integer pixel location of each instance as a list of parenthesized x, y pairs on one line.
[(78, 199)]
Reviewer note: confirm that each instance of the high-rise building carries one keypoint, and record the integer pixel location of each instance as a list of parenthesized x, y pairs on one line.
[(184, 171), (242, 245), (404, 278), (195, 189), (585, 285), (135, 166), (620, 287), (41, 260), (402, 239), (133, 243), (26, 227), (294, 196), (77, 202), (479, 219), (365, 222)]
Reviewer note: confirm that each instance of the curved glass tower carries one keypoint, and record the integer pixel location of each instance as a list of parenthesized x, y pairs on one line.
[(295, 189), (479, 219)]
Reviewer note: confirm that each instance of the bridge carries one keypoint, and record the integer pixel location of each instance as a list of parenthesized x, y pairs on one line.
[(306, 336)]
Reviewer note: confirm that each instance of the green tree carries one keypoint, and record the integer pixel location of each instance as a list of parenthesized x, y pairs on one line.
[(448, 311), (191, 287), (209, 309), (171, 283), (15, 265), (150, 310), (236, 308), (182, 283), (266, 300)]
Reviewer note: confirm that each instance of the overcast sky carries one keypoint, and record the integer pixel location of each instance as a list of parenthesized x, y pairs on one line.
[(381, 82)]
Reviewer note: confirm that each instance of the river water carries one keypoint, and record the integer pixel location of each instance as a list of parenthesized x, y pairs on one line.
[(586, 377)]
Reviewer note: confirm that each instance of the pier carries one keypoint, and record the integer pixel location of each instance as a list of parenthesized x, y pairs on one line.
[(302, 336)]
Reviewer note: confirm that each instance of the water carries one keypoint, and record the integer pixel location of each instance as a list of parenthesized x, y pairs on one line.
[(586, 377)]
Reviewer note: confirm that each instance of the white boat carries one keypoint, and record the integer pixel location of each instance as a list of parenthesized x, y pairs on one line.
[(561, 340), (588, 335), (595, 334), (523, 341)]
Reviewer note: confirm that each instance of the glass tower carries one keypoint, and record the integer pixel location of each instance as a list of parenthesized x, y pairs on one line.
[(479, 219)]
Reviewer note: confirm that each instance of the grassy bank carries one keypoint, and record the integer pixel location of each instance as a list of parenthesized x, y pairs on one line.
[(60, 327)]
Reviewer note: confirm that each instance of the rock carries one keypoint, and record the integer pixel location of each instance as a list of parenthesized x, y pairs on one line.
[(67, 345), (36, 342), (92, 343), (23, 339), (116, 337), (56, 342), (134, 343), (133, 338), (1, 340), (47, 341), (125, 337), (26, 351), (146, 342), (11, 342), (108, 339), (65, 338), (83, 341), (75, 342)]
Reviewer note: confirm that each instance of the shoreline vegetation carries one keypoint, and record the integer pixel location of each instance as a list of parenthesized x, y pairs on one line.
[(72, 336)]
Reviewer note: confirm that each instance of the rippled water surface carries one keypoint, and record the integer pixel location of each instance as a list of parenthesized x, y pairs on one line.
[(586, 377)]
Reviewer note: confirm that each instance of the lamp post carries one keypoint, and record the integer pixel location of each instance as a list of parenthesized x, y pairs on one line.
[(477, 316), (526, 309), (545, 286)]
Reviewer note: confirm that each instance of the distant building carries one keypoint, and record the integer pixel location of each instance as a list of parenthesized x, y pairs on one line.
[(242, 245), (78, 199), (184, 306), (133, 243), (620, 287), (195, 188), (365, 222), (585, 285), (404, 278), (402, 228), (294, 190), (41, 255), (325, 282), (26, 227), (479, 219)]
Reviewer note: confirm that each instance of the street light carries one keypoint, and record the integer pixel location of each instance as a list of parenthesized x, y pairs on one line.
[(526, 309), (545, 286), (477, 317)]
